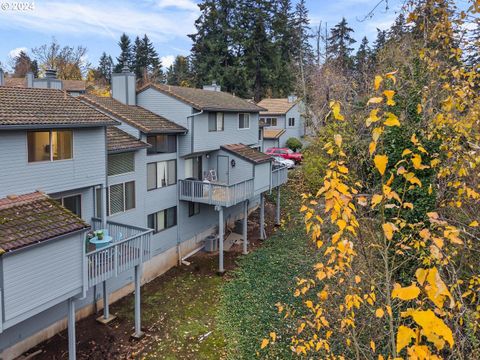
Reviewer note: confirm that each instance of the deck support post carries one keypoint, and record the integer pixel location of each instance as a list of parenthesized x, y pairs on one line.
[(72, 353), (106, 317), (277, 212), (262, 217), (106, 302), (221, 232), (245, 227), (138, 316)]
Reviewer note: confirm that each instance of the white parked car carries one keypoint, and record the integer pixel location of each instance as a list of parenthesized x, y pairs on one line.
[(290, 164)]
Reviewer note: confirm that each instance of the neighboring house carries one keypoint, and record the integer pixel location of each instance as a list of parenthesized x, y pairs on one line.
[(182, 162), (282, 119), (73, 87)]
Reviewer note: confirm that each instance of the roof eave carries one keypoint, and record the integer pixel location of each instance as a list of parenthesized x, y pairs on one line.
[(56, 126)]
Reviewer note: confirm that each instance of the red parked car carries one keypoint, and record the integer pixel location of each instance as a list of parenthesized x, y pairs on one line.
[(285, 153)]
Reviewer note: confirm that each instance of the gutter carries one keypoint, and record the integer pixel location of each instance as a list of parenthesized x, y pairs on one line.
[(192, 116)]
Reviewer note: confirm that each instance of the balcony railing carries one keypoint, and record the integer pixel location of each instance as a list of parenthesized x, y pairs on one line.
[(216, 194), (130, 246), (279, 176)]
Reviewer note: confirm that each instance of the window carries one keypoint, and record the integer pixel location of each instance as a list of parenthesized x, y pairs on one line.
[(291, 121), (244, 121), (162, 220), (72, 203), (193, 168), (260, 131), (121, 163), (121, 197), (162, 143), (49, 145), (193, 209), (215, 121), (98, 202), (161, 174), (269, 121)]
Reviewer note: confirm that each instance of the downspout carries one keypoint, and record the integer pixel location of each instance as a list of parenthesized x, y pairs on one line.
[(192, 116), (105, 188)]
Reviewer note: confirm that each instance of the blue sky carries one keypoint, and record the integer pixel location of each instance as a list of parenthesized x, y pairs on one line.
[(99, 24)]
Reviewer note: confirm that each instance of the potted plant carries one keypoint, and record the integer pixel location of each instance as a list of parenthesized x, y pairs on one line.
[(99, 235)]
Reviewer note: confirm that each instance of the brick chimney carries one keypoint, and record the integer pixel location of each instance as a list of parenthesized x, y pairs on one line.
[(212, 87)]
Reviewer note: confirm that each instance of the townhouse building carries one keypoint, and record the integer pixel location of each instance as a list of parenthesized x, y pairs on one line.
[(282, 119), (159, 169)]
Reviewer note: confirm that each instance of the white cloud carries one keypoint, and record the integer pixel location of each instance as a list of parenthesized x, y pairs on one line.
[(107, 19), (179, 4), (167, 60), (15, 52)]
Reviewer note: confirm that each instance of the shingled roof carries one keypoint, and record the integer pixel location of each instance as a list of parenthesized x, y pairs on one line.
[(205, 99), (247, 153), (31, 108), (32, 218), (276, 106), (120, 141), (269, 133), (68, 85), (136, 116)]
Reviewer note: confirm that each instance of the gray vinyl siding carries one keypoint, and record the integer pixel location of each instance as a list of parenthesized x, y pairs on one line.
[(204, 140), (18, 176), (173, 110), (263, 174), (269, 143), (296, 131), (242, 171), (42, 276)]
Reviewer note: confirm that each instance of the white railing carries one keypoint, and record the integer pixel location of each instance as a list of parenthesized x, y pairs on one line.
[(130, 246), (215, 194), (279, 176)]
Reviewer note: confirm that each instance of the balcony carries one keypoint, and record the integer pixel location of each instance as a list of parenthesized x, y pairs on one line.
[(216, 194), (130, 246), (279, 176)]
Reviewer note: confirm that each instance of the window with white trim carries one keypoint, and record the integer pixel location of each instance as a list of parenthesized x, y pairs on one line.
[(50, 145), (244, 121), (291, 122), (162, 220), (215, 121), (121, 197), (161, 174)]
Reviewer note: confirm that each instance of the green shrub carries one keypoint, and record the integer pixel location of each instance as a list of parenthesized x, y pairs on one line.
[(294, 144)]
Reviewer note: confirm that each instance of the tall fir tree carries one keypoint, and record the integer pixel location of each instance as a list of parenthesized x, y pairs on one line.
[(363, 65), (126, 56), (303, 53), (212, 49), (105, 67), (282, 58), (23, 64), (154, 65), (339, 45), (179, 73), (380, 42)]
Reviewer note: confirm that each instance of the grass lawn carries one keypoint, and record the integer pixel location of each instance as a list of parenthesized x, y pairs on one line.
[(191, 313)]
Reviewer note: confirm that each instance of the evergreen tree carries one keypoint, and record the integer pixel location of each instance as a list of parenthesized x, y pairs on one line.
[(399, 28), (380, 41), (282, 59), (339, 44), (363, 65), (153, 63), (179, 73), (126, 57), (23, 64), (34, 68), (212, 49), (105, 67), (140, 61)]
